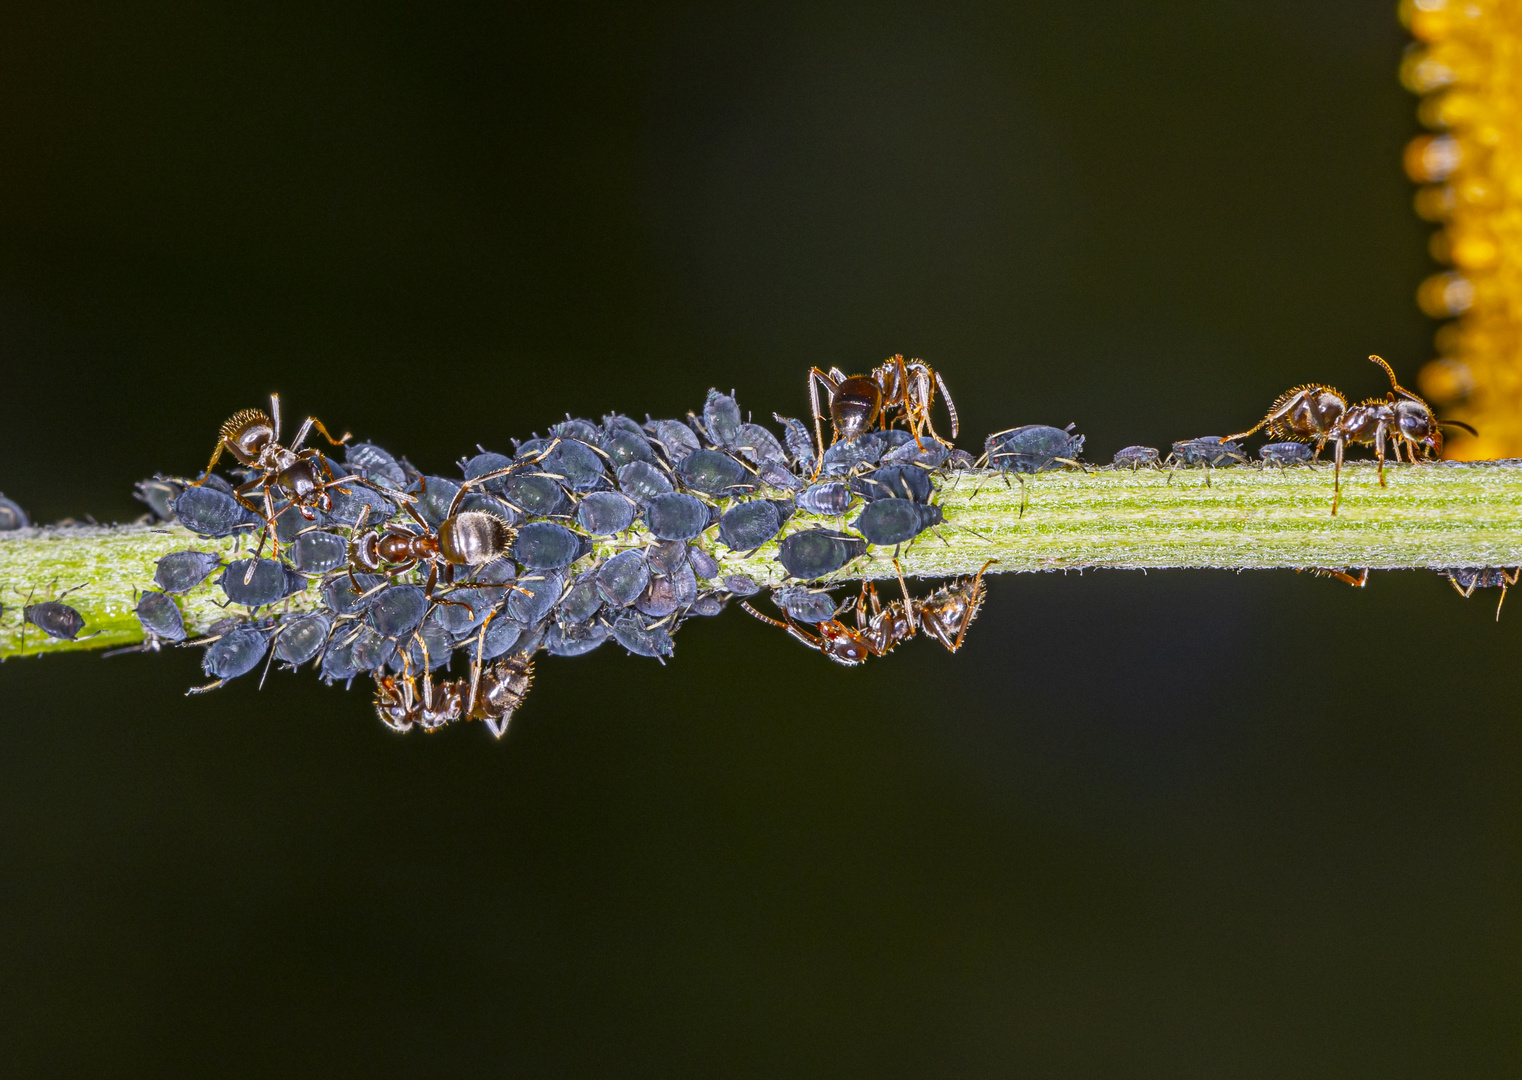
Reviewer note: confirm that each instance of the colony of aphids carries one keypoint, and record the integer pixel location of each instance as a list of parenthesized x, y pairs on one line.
[(441, 590)]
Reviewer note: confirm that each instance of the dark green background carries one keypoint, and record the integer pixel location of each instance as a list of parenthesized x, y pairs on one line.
[(1170, 825)]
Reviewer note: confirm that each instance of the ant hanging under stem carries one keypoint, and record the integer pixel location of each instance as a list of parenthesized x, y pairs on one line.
[(897, 389)]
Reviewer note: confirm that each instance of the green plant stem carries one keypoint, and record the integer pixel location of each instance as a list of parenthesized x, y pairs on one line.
[(1429, 516)]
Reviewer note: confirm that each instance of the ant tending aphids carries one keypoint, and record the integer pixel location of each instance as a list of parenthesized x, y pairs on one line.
[(302, 475), (897, 389)]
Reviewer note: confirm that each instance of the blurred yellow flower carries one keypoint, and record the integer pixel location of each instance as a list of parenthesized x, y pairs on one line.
[(1467, 65)]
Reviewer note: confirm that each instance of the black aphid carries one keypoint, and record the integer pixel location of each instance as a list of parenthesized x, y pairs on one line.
[(338, 662), (831, 498), (318, 551), (342, 598), (480, 502), (676, 438), (747, 526), (642, 481), (713, 472), (206, 511), (350, 501), (579, 466), (435, 495), (805, 605), (623, 446), (237, 652), (371, 650), (487, 462), (708, 605), (604, 513), (1286, 453), (668, 594), (845, 457), (161, 619), (702, 563), (895, 482), (467, 610), (633, 634), (1032, 448), (1465, 580), (1135, 457), (676, 516), (721, 419), (575, 639), (543, 545), (576, 428), (582, 600), (500, 636), (777, 474), (896, 521), (813, 553), (961, 459), (431, 652), (1207, 450), (618, 422), (159, 495), (931, 456), (539, 496), (182, 571), (758, 446), (259, 582), (398, 610), (55, 619), (666, 557), (800, 444), (298, 638), (532, 598), (623, 578), (376, 465), (742, 585)]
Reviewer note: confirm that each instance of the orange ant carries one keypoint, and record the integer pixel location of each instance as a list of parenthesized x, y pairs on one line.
[(897, 389)]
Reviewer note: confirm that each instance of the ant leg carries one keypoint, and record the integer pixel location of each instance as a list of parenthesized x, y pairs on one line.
[(909, 609), (1337, 477), (1379, 451), (216, 456), (816, 378), (951, 407), (1500, 602), (972, 606)]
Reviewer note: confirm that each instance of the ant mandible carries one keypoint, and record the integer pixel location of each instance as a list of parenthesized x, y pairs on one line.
[(896, 386), (303, 476)]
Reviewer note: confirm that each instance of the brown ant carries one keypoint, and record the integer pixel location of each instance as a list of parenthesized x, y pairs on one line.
[(303, 476), (897, 388), (1344, 576), (944, 615), (492, 694), (1320, 413)]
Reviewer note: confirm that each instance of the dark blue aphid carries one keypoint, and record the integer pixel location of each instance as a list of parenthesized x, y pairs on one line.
[(539, 496), (721, 419), (298, 638), (182, 571), (666, 557), (159, 495), (376, 465), (581, 600), (12, 516), (397, 610), (429, 648), (605, 513), (642, 481), (543, 545), (1207, 450), (259, 582), (676, 438), (532, 598), (236, 652), (575, 639), (623, 578), (623, 446), (371, 650), (894, 482), (434, 494), (161, 619), (708, 604), (633, 634), (500, 636), (800, 444), (487, 462), (831, 498), (208, 512), (342, 598), (338, 662), (742, 585), (846, 457), (713, 472), (676, 516), (750, 524), (1032, 448), (931, 456), (618, 422), (776, 474), (482, 503), (896, 521), (758, 446), (805, 605), (318, 551), (1285, 453), (702, 563), (576, 428), (668, 594), (578, 466), (354, 500), (813, 553), (470, 606), (1135, 457)]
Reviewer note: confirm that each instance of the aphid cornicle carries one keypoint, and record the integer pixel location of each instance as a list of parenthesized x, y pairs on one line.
[(896, 390)]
